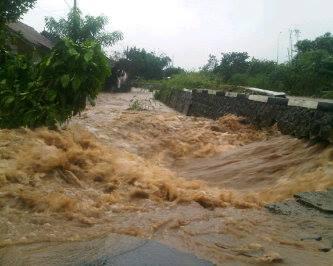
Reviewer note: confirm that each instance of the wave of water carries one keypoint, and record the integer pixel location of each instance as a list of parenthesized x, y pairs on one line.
[(95, 177)]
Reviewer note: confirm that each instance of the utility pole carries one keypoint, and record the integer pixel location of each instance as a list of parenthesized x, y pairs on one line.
[(297, 34), (291, 50), (288, 52), (278, 48), (76, 21), (291, 44)]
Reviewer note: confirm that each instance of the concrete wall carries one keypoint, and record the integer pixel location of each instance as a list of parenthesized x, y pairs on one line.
[(299, 118)]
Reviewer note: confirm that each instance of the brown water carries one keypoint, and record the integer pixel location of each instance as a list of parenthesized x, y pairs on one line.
[(192, 183)]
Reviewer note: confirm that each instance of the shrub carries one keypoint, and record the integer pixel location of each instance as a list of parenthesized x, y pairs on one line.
[(163, 95), (190, 80), (239, 79)]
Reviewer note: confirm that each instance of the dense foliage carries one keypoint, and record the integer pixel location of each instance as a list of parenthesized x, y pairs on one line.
[(54, 89), (312, 68), (142, 64), (231, 64), (187, 80), (81, 29), (171, 71)]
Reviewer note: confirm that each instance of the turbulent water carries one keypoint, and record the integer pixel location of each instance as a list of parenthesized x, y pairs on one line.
[(193, 183)]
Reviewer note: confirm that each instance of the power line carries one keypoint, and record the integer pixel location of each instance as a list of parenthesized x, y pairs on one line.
[(50, 12), (291, 50), (67, 4)]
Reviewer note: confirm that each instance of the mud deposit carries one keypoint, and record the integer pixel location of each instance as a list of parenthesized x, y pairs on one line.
[(192, 183)]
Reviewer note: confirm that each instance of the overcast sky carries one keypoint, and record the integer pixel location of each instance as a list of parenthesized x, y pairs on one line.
[(189, 30)]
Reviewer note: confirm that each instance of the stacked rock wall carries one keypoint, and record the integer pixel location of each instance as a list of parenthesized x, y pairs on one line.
[(300, 118)]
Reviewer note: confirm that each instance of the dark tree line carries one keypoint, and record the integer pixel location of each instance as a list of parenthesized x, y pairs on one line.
[(142, 64)]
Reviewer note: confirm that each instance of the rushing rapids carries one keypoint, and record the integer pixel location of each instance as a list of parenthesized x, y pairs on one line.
[(193, 183)]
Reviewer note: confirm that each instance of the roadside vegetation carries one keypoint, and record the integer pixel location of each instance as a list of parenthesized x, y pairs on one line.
[(189, 80), (309, 73)]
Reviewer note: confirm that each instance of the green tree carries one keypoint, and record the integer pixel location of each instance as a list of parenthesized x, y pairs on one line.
[(211, 64), (140, 63), (171, 71), (312, 67), (258, 74), (232, 63), (81, 29), (324, 42), (12, 10), (313, 71), (257, 66)]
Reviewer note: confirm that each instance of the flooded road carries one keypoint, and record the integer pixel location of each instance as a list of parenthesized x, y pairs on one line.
[(132, 166)]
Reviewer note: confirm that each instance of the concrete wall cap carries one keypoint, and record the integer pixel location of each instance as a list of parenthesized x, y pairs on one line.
[(303, 103), (231, 94), (267, 92), (258, 98)]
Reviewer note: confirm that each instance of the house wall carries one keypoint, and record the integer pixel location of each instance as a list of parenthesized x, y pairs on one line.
[(21, 46)]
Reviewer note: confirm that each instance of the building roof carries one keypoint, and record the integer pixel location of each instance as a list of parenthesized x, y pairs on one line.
[(30, 34)]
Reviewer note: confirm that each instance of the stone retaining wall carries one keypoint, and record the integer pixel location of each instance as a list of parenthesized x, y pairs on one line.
[(299, 118)]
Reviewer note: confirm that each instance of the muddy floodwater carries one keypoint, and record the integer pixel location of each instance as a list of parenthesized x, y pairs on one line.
[(195, 184)]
